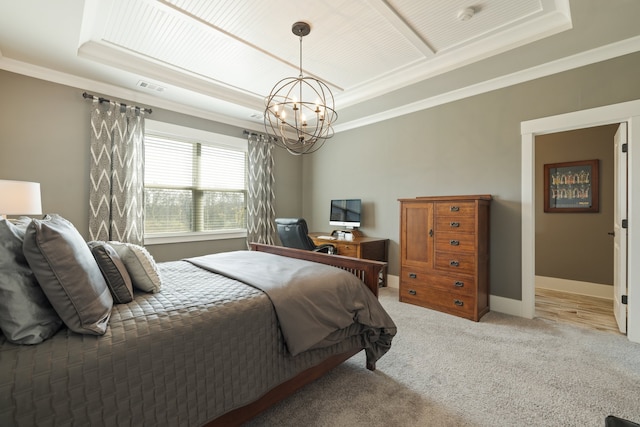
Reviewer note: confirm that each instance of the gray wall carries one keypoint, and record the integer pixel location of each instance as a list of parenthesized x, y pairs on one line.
[(576, 246), (464, 147), (44, 137)]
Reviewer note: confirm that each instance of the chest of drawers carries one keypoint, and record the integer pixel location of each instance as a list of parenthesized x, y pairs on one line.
[(444, 254)]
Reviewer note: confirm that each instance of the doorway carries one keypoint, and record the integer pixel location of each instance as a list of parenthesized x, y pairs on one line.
[(575, 250), (628, 112)]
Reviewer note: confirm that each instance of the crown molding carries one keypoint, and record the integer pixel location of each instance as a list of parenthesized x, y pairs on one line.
[(452, 59), (592, 56), (600, 54), (82, 83)]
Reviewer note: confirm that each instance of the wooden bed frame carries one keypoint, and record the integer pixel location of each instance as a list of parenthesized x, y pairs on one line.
[(368, 271)]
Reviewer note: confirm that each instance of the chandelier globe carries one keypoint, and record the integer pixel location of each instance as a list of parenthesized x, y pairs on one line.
[(300, 111)]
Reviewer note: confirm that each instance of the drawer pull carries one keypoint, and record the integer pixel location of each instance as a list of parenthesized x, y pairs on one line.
[(454, 263), (454, 208), (458, 302), (412, 275), (454, 224), (458, 284), (412, 292), (454, 242)]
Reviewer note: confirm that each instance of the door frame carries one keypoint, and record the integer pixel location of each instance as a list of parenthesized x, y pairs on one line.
[(617, 113), (620, 196)]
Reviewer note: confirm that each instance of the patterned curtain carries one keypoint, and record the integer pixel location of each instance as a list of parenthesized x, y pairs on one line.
[(260, 207), (116, 196)]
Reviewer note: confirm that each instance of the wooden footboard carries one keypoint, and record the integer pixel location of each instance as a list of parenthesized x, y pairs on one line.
[(275, 395), (366, 270)]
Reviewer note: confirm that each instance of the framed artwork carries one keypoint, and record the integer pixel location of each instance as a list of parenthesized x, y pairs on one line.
[(571, 186)]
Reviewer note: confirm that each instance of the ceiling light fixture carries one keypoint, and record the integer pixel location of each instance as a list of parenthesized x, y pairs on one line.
[(300, 110)]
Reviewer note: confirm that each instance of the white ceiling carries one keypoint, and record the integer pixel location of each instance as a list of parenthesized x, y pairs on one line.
[(220, 58)]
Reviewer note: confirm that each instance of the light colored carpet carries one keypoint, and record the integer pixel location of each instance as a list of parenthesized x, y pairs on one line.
[(501, 371)]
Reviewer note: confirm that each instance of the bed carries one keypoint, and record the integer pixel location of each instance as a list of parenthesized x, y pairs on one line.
[(206, 350)]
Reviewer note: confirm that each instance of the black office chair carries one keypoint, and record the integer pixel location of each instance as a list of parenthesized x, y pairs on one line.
[(294, 233)]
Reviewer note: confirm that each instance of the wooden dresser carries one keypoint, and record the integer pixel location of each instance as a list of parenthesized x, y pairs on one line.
[(444, 254)]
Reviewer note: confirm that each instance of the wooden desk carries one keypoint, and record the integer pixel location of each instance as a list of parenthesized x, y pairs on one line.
[(360, 247)]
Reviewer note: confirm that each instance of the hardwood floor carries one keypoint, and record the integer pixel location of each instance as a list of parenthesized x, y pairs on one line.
[(591, 312)]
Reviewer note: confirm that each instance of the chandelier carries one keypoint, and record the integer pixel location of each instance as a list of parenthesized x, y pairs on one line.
[(300, 110)]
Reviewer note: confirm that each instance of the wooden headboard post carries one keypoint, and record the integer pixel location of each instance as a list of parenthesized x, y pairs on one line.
[(366, 270)]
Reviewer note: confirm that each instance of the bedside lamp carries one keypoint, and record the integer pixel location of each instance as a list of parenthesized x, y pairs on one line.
[(19, 198)]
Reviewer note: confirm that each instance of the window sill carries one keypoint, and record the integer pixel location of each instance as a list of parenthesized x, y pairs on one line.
[(159, 239)]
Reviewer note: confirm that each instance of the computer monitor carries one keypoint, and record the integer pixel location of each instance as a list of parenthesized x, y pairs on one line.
[(345, 212)]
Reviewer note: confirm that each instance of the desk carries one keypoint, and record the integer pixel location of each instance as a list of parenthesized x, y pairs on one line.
[(360, 247)]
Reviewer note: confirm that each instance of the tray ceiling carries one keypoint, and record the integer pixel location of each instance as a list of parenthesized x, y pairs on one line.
[(224, 56)]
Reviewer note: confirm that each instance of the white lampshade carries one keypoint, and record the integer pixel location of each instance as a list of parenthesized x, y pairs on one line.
[(20, 198)]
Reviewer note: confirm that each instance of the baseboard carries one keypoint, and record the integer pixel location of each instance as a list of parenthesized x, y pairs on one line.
[(514, 307), (393, 281), (504, 305), (575, 287)]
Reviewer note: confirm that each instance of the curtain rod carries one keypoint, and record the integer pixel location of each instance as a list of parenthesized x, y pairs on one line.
[(247, 132), (86, 95)]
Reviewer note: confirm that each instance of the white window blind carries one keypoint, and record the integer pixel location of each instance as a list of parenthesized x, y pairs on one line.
[(193, 186)]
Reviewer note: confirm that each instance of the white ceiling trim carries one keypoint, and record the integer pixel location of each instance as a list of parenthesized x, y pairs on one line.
[(450, 60), (122, 59), (207, 26), (114, 91), (602, 53), (424, 67), (404, 28)]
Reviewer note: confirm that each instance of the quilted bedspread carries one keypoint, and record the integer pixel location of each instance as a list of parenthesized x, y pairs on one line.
[(314, 302), (205, 345)]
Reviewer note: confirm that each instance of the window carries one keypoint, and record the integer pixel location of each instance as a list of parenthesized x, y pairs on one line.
[(194, 184)]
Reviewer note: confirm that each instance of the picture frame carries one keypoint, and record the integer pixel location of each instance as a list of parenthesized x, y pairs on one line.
[(571, 187)]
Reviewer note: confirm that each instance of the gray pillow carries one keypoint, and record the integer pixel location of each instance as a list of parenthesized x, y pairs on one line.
[(141, 266), (68, 274), (26, 316), (113, 271)]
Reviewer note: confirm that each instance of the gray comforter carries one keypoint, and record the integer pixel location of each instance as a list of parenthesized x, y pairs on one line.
[(205, 345), (316, 304)]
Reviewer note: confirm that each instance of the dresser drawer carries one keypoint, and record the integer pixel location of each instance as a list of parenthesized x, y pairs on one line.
[(455, 209), (458, 283), (461, 224), (459, 305), (456, 262), (346, 249), (412, 274), (422, 287), (455, 242)]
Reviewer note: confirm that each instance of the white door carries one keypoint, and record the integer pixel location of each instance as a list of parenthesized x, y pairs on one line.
[(620, 233)]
